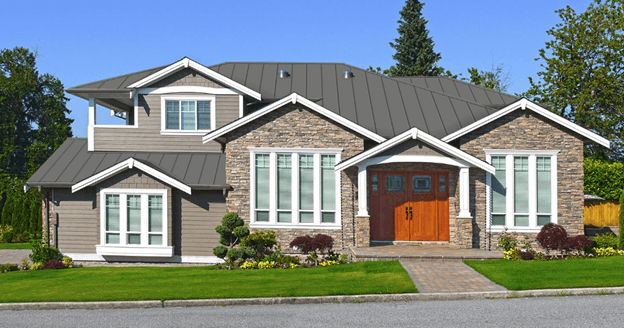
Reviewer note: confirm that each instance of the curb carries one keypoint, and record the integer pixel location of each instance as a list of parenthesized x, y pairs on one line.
[(313, 299)]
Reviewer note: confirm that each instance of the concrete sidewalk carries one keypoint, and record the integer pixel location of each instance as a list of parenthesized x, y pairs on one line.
[(14, 256)]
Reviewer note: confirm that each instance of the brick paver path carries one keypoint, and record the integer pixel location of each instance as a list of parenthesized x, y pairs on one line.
[(14, 256), (447, 277)]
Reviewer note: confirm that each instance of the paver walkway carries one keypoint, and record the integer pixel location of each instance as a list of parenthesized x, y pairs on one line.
[(447, 277), (14, 256)]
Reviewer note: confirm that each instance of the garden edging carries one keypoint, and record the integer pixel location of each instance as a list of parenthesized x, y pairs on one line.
[(314, 299)]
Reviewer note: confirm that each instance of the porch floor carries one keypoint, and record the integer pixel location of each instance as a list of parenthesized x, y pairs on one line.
[(422, 252)]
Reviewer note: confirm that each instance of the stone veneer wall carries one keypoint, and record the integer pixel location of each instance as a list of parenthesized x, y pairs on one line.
[(453, 192), (529, 131), (294, 126)]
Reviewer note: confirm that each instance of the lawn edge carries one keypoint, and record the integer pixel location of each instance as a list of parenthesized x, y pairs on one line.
[(369, 298)]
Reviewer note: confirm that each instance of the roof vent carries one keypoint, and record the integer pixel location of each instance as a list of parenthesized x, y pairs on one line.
[(348, 74), (283, 74)]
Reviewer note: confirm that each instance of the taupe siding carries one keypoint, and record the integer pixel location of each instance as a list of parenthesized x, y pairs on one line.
[(147, 136), (197, 217), (77, 220), (412, 147), (187, 77)]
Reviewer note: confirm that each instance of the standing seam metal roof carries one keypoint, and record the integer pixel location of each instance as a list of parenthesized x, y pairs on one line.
[(72, 163)]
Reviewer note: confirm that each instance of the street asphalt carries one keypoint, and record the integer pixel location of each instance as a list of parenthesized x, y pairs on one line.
[(565, 311)]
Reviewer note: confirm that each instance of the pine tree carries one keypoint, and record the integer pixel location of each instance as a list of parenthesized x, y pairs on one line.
[(621, 232), (35, 217), (414, 48), (7, 212)]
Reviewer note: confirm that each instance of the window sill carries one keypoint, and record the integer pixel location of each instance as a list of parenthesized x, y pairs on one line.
[(516, 229), (116, 126), (294, 226), (128, 250), (184, 133)]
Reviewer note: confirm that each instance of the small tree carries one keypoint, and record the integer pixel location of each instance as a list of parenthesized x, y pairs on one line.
[(232, 230), (621, 232), (262, 242), (552, 236)]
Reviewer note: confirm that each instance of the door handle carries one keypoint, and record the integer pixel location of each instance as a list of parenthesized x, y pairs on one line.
[(406, 215), (411, 214)]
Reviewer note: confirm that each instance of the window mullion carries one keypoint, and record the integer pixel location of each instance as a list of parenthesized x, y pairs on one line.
[(317, 188), (272, 187), (532, 191), (196, 115), (510, 190), (553, 189), (123, 217), (295, 188), (144, 223), (179, 115)]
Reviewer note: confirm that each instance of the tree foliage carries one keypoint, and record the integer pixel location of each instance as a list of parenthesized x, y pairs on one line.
[(603, 178), (583, 70), (496, 78), (34, 119), (414, 48)]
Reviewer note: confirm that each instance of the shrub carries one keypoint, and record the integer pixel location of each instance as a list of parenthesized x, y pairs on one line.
[(239, 254), (54, 264), (603, 178), (25, 265), (267, 264), (552, 236), (262, 242), (41, 252), (621, 233), (69, 263), (323, 243), (577, 243), (329, 263), (7, 234), (527, 256), (232, 230), (512, 255), (8, 267), (36, 266), (607, 239), (507, 241), (306, 244)]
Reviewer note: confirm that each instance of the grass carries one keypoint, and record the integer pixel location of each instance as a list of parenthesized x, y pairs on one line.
[(166, 283), (15, 246), (574, 273)]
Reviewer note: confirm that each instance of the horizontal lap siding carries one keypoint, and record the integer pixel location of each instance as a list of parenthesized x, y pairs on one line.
[(147, 137), (197, 215), (77, 220)]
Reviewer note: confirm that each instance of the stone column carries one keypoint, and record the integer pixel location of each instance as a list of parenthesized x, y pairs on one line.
[(362, 219)]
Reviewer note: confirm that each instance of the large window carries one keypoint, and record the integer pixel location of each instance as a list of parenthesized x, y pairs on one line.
[(188, 114), (133, 217), (523, 191), (295, 187)]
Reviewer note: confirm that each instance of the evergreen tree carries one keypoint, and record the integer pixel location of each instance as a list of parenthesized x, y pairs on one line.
[(414, 48), (621, 232), (35, 217), (7, 212)]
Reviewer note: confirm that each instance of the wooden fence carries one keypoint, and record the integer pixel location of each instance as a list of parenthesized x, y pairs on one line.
[(601, 213)]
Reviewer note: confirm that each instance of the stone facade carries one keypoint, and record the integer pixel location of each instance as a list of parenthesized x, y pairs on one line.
[(526, 130), (294, 126)]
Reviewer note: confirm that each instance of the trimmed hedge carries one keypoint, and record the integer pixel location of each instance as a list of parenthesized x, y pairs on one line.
[(604, 179)]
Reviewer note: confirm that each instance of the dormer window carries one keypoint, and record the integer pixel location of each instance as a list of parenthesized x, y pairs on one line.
[(188, 114)]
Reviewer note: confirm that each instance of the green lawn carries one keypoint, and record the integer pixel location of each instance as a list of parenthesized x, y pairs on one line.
[(578, 273), (15, 246), (166, 283)]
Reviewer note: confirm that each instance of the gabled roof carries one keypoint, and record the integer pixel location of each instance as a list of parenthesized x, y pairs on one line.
[(72, 163), (524, 104), (292, 98), (114, 84), (415, 134)]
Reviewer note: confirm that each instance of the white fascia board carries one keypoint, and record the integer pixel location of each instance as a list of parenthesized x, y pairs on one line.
[(187, 89), (293, 98), (523, 104), (416, 134), (188, 63), (125, 165)]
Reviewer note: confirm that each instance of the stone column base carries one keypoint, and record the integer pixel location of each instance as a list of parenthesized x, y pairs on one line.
[(463, 234), (362, 231)]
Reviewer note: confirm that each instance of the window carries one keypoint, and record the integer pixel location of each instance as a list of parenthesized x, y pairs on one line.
[(188, 114), (394, 183), (523, 191), (295, 187), (421, 183), (134, 217)]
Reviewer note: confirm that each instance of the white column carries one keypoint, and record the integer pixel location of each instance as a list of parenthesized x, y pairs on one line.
[(91, 127), (464, 193), (362, 192)]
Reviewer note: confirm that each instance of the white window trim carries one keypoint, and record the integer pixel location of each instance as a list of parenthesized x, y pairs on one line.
[(509, 155), (124, 249), (294, 152), (163, 119)]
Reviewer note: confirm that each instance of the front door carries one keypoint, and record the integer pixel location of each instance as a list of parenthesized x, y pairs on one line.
[(413, 203)]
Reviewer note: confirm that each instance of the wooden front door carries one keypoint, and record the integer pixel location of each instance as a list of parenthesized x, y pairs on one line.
[(409, 205)]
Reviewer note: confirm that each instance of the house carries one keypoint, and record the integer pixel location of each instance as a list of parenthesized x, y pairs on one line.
[(305, 148)]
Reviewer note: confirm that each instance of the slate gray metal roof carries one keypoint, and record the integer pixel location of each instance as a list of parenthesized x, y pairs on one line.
[(72, 163), (592, 197), (384, 105)]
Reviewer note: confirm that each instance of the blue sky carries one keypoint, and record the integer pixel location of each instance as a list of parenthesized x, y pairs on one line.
[(85, 41)]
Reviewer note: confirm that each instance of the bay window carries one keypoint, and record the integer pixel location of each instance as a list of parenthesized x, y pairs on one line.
[(188, 114), (294, 188), (132, 220), (522, 194)]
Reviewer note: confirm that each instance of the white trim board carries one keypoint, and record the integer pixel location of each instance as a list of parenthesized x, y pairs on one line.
[(174, 259), (416, 134), (523, 104), (126, 165), (187, 89), (293, 98), (189, 63)]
